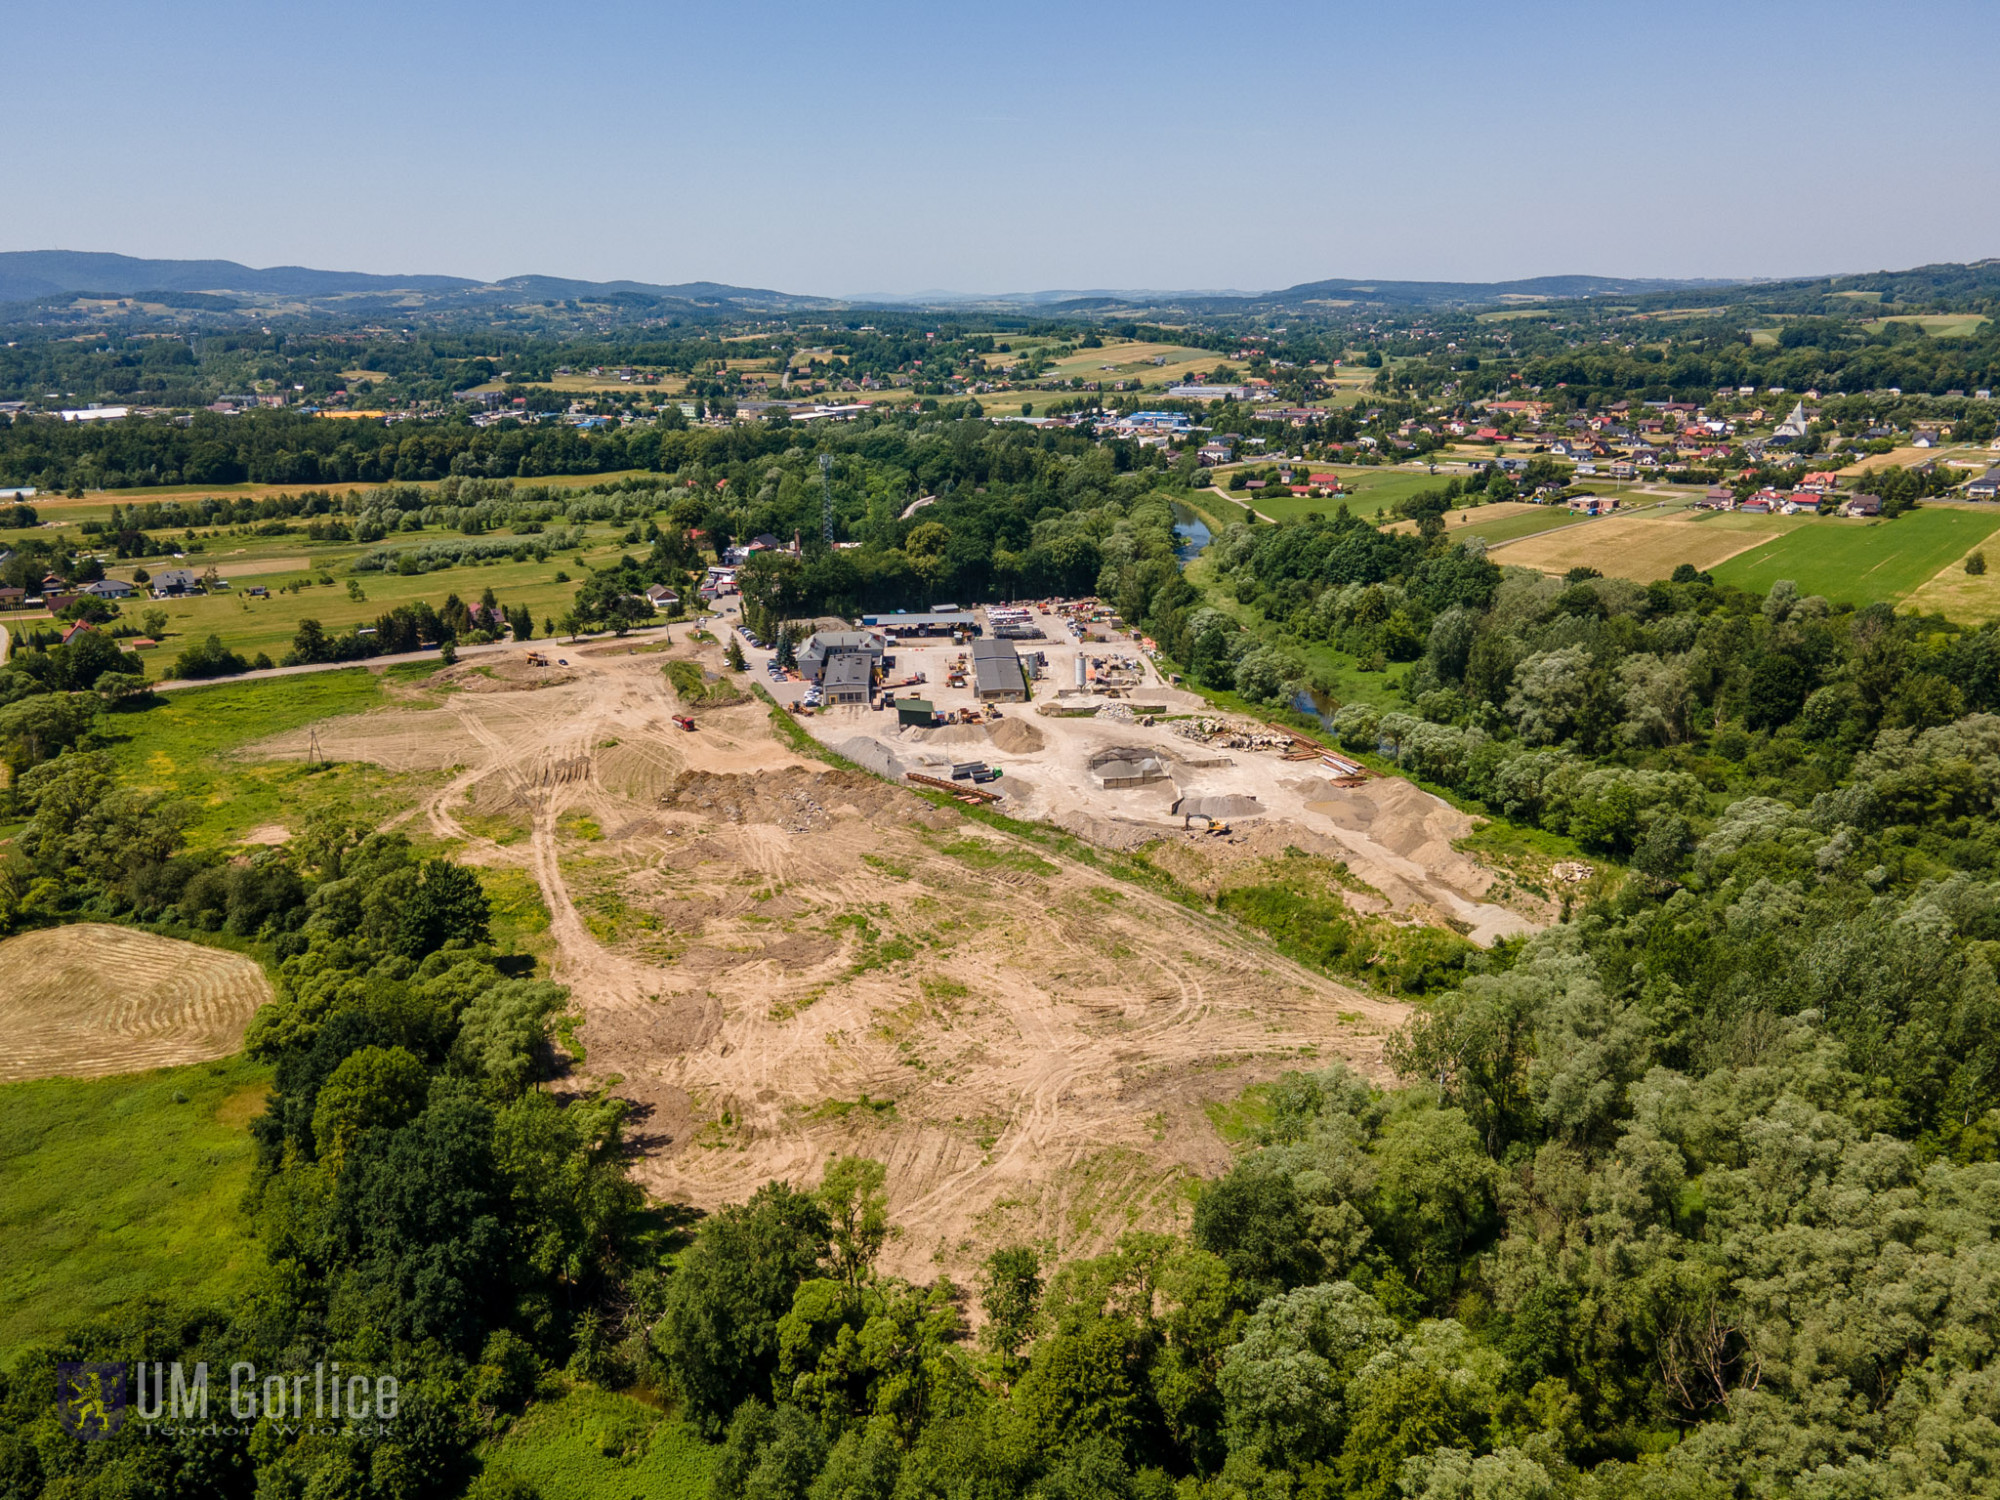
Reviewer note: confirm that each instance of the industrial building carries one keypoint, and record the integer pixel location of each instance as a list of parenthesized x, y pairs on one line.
[(829, 645), (996, 672), (849, 678), (935, 622)]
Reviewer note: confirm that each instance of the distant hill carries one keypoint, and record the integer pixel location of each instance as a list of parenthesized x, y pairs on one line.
[(1536, 288), (29, 275), (227, 287)]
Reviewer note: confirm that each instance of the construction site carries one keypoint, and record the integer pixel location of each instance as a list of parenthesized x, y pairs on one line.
[(1081, 730), (777, 961)]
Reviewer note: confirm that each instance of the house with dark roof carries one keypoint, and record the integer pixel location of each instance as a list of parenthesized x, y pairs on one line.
[(175, 583)]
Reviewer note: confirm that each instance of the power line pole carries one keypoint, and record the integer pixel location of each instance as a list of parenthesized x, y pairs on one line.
[(826, 496)]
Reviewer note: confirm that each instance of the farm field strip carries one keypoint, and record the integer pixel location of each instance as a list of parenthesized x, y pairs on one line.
[(1862, 563), (1641, 547)]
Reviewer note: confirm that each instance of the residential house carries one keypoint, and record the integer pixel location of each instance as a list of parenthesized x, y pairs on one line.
[(1986, 486), (661, 597), (175, 583), (109, 588), (1863, 505)]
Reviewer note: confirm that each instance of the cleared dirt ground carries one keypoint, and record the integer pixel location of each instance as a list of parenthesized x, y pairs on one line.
[(90, 1000), (778, 962)]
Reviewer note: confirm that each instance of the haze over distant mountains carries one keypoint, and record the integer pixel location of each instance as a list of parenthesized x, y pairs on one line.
[(34, 275)]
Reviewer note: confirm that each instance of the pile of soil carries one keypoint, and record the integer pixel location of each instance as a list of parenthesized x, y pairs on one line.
[(792, 798), (951, 734), (502, 672), (871, 755), (1017, 737)]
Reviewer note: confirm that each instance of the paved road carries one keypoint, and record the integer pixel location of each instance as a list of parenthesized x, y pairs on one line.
[(555, 646)]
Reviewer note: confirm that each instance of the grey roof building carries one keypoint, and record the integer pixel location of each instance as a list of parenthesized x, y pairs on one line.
[(828, 645), (930, 622), (996, 672), (849, 678)]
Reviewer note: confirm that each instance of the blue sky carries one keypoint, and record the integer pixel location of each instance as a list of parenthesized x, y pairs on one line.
[(860, 147)]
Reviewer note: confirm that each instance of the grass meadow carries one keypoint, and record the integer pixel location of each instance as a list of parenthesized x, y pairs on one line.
[(594, 1443), (250, 625), (1370, 491), (1888, 560), (119, 1188), (180, 746)]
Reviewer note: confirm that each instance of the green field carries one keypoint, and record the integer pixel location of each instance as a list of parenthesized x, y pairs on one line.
[(178, 746), (1509, 528), (1370, 492), (1862, 564), (250, 625), (1937, 325), (592, 1443), (120, 1188)]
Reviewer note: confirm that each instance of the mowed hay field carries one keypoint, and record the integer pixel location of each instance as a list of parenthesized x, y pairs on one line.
[(1127, 360), (1642, 547), (1862, 562), (1962, 597), (90, 1000)]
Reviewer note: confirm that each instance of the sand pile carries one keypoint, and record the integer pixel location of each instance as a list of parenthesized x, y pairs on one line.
[(1017, 737), (1229, 805), (951, 734), (871, 755)]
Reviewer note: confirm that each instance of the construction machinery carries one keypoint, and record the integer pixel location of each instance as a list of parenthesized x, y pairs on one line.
[(684, 720)]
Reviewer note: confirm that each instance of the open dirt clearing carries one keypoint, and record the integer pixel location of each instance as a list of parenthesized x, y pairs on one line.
[(778, 963), (90, 1000)]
